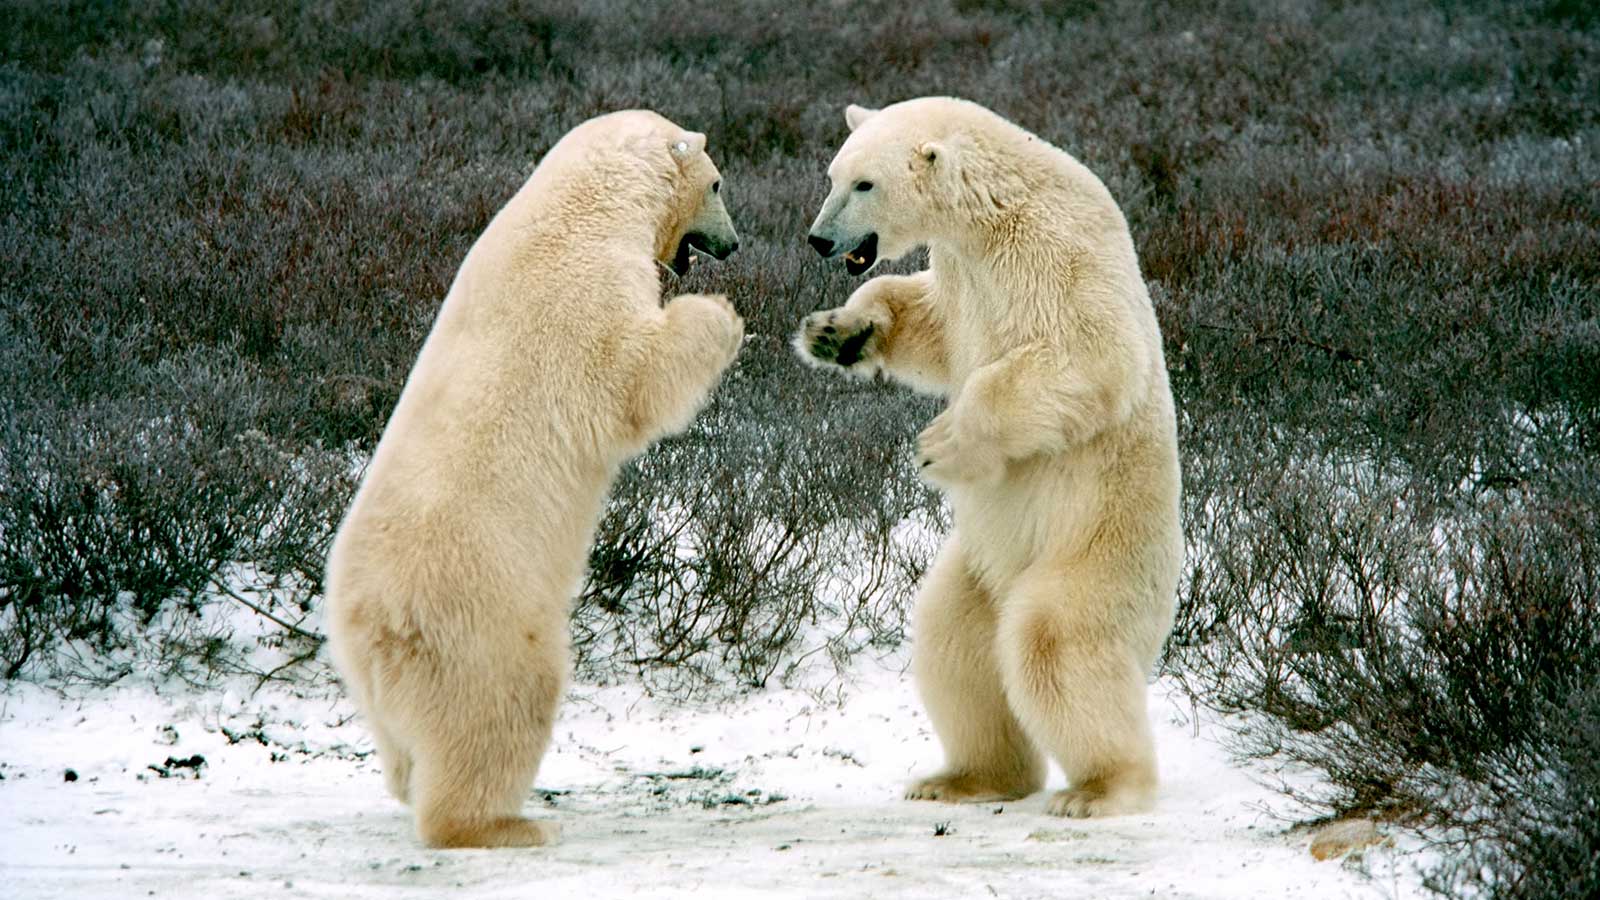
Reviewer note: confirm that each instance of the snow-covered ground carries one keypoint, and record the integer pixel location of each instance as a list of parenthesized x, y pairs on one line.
[(784, 793)]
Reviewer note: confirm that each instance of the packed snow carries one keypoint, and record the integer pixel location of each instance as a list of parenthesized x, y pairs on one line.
[(176, 791)]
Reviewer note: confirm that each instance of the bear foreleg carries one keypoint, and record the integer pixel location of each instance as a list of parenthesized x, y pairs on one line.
[(888, 325), (1033, 400), (683, 352)]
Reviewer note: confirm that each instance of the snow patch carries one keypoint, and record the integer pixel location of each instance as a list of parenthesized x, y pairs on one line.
[(775, 793)]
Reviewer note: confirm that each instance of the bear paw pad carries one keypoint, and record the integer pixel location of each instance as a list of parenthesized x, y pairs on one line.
[(834, 336)]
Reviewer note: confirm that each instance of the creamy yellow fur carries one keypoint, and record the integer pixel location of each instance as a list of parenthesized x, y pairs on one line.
[(1045, 611), (551, 362)]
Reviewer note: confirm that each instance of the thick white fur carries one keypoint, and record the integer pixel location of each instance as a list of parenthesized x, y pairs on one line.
[(551, 362), (1045, 611)]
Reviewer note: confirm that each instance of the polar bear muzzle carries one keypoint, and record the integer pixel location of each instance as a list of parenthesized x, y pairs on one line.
[(716, 247), (719, 248), (710, 232)]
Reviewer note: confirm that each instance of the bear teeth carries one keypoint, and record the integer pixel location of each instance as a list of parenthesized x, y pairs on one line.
[(851, 257)]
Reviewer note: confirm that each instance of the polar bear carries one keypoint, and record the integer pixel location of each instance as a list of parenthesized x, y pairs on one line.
[(1037, 624), (551, 362)]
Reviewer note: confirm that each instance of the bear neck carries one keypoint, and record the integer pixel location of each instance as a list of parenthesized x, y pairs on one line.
[(1038, 204), (619, 204), (1063, 236)]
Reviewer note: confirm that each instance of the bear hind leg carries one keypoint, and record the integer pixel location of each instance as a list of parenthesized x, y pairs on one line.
[(392, 755), (988, 755), (472, 769), (1081, 693), (468, 791), (396, 762)]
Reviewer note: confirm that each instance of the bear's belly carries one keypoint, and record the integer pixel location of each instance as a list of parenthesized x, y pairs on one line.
[(1034, 511)]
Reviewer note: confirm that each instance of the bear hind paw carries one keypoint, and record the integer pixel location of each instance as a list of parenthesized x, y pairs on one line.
[(1097, 802), (505, 831), (963, 788)]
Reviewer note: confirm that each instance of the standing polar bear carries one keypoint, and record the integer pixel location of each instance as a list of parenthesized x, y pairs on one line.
[(1045, 610), (551, 362)]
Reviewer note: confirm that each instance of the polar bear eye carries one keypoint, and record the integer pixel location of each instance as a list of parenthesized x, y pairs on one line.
[(863, 186), (716, 187)]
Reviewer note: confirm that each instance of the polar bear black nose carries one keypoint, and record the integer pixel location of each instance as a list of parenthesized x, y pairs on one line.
[(821, 244)]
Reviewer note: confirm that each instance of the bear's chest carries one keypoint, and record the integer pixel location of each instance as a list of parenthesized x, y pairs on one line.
[(977, 336)]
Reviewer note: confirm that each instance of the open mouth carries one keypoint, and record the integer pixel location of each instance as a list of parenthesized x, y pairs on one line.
[(681, 260), (863, 256), (693, 246)]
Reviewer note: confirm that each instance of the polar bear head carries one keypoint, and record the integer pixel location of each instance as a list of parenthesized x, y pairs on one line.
[(697, 219), (648, 170), (908, 174)]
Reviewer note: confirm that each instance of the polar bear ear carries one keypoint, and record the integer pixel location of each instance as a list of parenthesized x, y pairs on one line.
[(940, 163), (689, 144), (854, 115)]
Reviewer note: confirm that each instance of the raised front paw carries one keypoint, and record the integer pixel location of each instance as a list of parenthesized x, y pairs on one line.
[(719, 319), (947, 454), (837, 337), (731, 337)]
